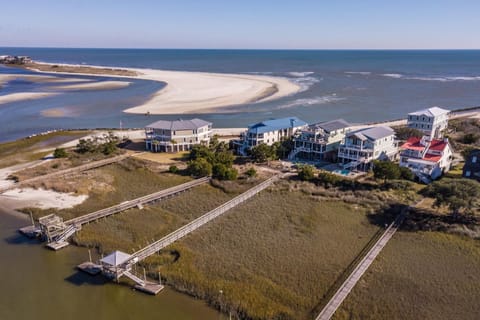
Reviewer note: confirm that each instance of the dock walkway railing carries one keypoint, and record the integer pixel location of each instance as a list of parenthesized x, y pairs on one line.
[(195, 224)]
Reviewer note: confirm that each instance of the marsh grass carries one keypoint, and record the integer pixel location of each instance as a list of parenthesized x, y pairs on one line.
[(421, 275), (273, 258), (25, 150)]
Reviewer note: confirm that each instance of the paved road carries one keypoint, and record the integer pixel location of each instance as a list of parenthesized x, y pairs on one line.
[(358, 272)]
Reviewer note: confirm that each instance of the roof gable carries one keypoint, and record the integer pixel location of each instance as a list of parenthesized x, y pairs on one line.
[(181, 124), (116, 258), (430, 112), (374, 133), (276, 124), (332, 125)]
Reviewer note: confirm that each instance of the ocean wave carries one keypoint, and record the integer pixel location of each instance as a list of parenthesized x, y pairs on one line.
[(306, 82), (300, 74), (311, 101), (363, 73), (432, 78)]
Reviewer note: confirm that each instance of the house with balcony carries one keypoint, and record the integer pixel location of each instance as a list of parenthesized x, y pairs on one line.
[(319, 141), (361, 147), (179, 135), (432, 121), (427, 158), (471, 169), (269, 132)]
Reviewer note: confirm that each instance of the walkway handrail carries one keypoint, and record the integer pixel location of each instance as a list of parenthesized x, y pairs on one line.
[(195, 224), (135, 202)]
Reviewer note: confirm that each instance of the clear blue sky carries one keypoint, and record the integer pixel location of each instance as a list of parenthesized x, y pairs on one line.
[(258, 24)]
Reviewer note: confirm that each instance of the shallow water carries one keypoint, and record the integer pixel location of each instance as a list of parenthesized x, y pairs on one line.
[(359, 86), (41, 284)]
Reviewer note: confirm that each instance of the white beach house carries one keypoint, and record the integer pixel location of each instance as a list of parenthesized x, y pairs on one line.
[(270, 131), (432, 121), (179, 135), (319, 141), (362, 146), (427, 158)]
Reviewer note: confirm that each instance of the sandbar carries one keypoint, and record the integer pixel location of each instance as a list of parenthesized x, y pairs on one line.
[(19, 96), (191, 92), (101, 85)]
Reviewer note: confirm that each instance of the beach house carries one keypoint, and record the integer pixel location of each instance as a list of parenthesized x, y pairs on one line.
[(471, 169), (432, 121), (427, 158), (361, 147), (319, 141), (269, 132), (178, 135)]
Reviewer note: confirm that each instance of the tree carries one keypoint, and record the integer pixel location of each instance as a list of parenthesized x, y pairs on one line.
[(60, 153), (403, 133), (385, 170), (223, 172), (262, 153), (200, 167), (328, 179), (224, 157), (457, 194), (470, 138), (201, 151), (406, 173), (466, 152), (306, 173), (283, 148)]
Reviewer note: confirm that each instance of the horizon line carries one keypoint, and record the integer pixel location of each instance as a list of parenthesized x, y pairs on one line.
[(248, 49)]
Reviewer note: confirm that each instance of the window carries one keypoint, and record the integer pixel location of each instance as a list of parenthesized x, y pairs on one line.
[(474, 159), (467, 173)]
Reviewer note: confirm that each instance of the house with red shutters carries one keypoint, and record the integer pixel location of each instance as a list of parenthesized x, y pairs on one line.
[(427, 158)]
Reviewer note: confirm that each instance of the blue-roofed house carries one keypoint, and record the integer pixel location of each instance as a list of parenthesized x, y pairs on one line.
[(363, 146), (270, 131)]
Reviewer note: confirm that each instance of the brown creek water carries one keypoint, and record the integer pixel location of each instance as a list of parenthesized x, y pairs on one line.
[(40, 284)]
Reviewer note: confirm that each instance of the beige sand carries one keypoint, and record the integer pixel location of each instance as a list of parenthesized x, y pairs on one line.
[(40, 198), (40, 78), (102, 85), (200, 92), (20, 96)]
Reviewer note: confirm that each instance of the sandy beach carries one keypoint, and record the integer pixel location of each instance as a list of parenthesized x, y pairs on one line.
[(194, 92), (40, 198)]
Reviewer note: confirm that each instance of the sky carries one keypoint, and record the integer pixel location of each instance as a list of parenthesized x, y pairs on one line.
[(242, 24)]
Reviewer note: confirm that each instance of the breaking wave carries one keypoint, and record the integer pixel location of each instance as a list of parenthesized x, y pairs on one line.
[(311, 101), (431, 78), (300, 74), (363, 73)]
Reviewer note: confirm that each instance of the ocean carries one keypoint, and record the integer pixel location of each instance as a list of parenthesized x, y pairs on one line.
[(356, 85)]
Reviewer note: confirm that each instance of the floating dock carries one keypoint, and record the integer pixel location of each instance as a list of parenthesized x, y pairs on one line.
[(91, 268)]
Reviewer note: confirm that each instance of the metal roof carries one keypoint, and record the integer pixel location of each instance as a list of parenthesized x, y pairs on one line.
[(430, 112), (373, 133), (276, 124), (332, 125), (116, 258), (179, 124)]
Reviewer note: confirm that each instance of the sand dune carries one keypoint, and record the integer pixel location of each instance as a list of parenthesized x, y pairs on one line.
[(40, 198)]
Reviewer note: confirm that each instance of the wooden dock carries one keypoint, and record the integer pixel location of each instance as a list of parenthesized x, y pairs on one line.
[(57, 232)]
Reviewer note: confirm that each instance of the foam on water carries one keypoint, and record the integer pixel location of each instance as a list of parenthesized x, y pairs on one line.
[(300, 74), (432, 78), (311, 101)]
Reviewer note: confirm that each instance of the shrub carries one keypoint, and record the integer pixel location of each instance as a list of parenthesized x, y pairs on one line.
[(251, 172), (200, 167), (306, 173), (328, 179), (223, 172), (470, 138), (262, 153), (403, 133), (385, 170), (406, 173), (173, 169), (60, 153)]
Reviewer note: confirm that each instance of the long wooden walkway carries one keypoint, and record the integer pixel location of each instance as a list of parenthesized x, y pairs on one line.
[(69, 171), (197, 223), (62, 231), (359, 270)]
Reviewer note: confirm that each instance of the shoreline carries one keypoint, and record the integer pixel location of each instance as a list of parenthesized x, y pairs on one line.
[(187, 92)]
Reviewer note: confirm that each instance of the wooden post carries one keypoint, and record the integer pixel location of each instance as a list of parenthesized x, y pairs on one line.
[(159, 278), (89, 255), (144, 275), (31, 218)]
